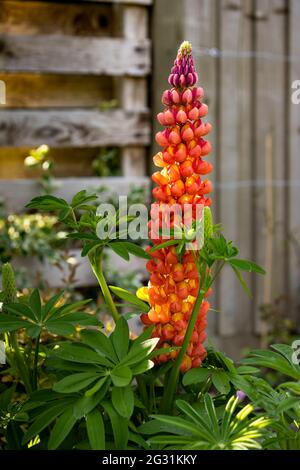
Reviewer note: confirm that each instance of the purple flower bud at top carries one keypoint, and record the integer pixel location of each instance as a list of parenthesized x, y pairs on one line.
[(183, 72), (240, 395), (182, 81), (190, 79), (176, 79)]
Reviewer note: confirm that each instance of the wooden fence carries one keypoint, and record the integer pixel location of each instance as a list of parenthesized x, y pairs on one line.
[(248, 55), (63, 63), (59, 61)]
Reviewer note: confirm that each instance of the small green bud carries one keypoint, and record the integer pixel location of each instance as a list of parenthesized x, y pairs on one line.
[(208, 224), (9, 290)]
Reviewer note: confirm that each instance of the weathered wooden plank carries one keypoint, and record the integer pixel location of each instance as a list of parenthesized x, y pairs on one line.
[(235, 161), (201, 28), (80, 55), (134, 91), (19, 17), (269, 150), (68, 161), (17, 193), (73, 128), (27, 90), (294, 161)]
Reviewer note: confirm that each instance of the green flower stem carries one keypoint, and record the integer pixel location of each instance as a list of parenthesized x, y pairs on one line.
[(170, 389), (95, 258)]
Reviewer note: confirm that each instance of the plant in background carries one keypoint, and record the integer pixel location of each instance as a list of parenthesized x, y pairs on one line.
[(162, 389), (39, 159), (31, 235), (107, 163)]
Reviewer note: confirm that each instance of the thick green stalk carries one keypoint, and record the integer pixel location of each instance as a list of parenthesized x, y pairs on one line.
[(96, 263), (171, 387)]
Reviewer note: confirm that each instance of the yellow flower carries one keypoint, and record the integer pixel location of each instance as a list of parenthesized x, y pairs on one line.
[(142, 293)]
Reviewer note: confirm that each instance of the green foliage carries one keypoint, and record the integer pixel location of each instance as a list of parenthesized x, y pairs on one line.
[(203, 429), (97, 391), (31, 235), (34, 317), (96, 371)]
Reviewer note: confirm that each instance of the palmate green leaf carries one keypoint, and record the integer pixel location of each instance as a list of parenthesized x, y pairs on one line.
[(196, 375), (119, 426), (100, 342), (11, 323), (45, 418), (123, 401), (82, 319), (83, 236), (81, 354), (82, 197), (47, 203), (66, 309), (158, 352), (136, 250), (221, 382), (223, 360), (54, 362), (164, 245), (121, 376), (60, 327), (211, 414), (155, 427), (95, 430), (64, 213), (140, 351), (89, 247), (98, 386), (35, 304), (75, 382), (195, 417), (246, 265), (287, 403), (62, 428), (288, 352), (291, 386), (142, 367), (120, 338), (137, 439), (241, 281), (85, 404), (120, 249), (272, 360), (50, 305), (178, 425), (247, 370), (197, 431), (131, 298), (21, 310)]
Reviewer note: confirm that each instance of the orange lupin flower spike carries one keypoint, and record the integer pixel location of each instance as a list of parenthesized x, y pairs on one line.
[(174, 281)]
